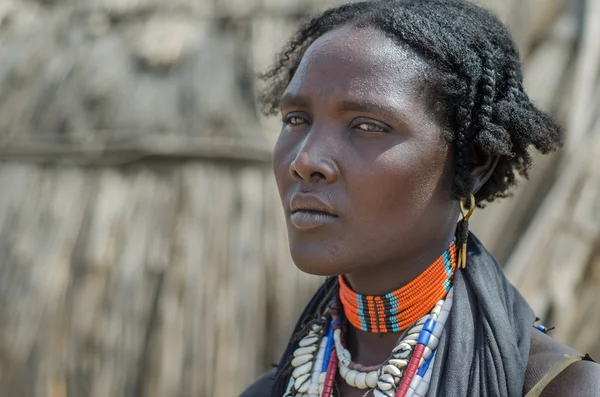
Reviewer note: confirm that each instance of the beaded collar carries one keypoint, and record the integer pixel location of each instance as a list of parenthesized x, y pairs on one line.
[(397, 310)]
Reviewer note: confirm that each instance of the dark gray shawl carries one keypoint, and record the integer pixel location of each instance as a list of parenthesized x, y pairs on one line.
[(485, 347)]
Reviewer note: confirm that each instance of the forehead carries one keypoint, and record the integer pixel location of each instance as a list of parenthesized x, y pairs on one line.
[(359, 62)]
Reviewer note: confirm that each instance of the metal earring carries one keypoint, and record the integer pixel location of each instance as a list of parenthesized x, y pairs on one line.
[(462, 231)]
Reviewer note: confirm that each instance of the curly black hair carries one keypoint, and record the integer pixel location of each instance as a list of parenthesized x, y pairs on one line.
[(478, 80)]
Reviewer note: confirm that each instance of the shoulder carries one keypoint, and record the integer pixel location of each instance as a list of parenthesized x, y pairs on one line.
[(578, 379), (262, 386), (581, 379)]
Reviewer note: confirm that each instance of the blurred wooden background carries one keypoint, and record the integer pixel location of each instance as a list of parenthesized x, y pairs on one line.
[(143, 250)]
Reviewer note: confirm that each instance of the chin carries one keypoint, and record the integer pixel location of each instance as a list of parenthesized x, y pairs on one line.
[(319, 261)]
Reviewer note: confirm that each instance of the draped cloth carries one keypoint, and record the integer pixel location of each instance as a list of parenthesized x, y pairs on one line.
[(484, 349)]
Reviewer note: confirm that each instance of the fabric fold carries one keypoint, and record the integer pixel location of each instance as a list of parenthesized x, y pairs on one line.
[(485, 348)]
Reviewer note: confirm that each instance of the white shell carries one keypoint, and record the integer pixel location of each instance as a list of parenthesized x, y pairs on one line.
[(308, 340), (379, 393), (361, 380), (298, 361), (384, 386), (391, 392), (351, 377), (301, 381), (304, 387), (289, 387), (305, 350), (398, 363), (402, 346), (411, 342), (302, 370), (392, 369), (387, 378), (402, 354), (321, 387), (344, 371), (372, 379)]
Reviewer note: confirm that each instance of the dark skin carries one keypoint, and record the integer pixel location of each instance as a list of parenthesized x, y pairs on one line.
[(359, 136)]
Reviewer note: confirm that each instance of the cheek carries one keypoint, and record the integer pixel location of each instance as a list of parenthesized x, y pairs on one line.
[(280, 161), (402, 183)]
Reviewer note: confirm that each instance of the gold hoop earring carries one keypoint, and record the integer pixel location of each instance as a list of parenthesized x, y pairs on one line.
[(462, 231)]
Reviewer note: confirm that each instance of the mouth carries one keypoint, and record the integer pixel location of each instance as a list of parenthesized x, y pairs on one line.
[(309, 212), (312, 212), (310, 219)]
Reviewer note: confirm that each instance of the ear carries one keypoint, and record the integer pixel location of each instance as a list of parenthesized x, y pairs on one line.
[(482, 168)]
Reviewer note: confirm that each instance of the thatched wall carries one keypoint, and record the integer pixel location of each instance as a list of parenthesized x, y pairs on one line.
[(143, 250)]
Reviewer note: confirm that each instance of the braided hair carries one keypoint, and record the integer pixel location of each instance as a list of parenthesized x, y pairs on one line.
[(478, 81)]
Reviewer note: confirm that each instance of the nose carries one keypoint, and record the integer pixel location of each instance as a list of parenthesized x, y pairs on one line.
[(313, 162)]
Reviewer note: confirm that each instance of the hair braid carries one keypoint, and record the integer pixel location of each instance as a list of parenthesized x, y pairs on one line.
[(462, 177)]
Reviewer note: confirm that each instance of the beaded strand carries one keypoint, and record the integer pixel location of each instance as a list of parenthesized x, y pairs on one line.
[(397, 377), (330, 377), (399, 309), (432, 329)]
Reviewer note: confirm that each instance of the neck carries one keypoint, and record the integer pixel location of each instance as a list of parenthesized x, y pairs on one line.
[(392, 276), (370, 347)]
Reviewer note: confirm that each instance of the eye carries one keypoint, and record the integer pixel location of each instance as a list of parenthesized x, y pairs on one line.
[(370, 126), (294, 119)]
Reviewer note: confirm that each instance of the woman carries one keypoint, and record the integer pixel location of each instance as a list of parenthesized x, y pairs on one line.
[(399, 117)]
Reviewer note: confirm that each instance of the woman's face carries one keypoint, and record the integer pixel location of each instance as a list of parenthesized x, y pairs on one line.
[(362, 170)]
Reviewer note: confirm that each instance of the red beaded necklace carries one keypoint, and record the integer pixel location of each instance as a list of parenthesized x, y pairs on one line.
[(397, 310)]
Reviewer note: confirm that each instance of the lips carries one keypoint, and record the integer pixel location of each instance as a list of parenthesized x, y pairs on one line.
[(310, 203), (308, 212)]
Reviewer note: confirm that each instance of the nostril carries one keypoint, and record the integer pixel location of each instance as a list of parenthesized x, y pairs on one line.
[(317, 176)]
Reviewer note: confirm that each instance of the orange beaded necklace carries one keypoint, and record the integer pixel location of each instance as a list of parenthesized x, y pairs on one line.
[(397, 310)]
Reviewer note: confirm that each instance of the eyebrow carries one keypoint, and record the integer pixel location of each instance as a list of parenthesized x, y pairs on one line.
[(290, 100), (354, 105), (393, 114), (366, 106)]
